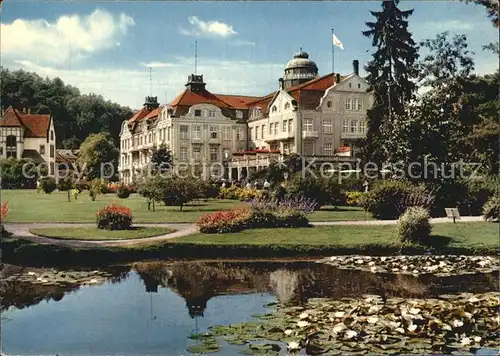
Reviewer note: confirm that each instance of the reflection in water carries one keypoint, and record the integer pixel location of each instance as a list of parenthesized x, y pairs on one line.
[(149, 308), (284, 283)]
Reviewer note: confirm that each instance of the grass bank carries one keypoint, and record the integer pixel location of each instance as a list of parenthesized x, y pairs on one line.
[(29, 206), (93, 233), (463, 238)]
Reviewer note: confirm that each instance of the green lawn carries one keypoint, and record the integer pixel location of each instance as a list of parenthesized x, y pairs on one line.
[(470, 235), (29, 206), (93, 233)]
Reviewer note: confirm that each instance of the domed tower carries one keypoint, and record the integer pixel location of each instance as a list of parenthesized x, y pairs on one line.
[(299, 70)]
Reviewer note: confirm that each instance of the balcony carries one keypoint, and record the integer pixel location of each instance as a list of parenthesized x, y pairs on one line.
[(310, 135), (213, 141), (197, 140), (352, 136), (279, 136)]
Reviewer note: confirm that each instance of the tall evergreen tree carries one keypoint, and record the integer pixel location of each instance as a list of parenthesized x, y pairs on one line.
[(390, 75)]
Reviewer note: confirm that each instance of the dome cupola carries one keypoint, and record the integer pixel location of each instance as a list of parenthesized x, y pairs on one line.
[(299, 69)]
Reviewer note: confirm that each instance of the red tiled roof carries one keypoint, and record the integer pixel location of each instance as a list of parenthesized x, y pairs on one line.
[(189, 98), (139, 115), (36, 125), (237, 101), (153, 113), (10, 118)]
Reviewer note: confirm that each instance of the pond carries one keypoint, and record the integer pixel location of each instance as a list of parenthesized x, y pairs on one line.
[(152, 308)]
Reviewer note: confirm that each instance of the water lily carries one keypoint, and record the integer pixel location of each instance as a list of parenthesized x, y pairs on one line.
[(339, 314), (473, 300), (374, 309), (400, 330), (457, 323), (31, 274), (293, 345), (372, 319), (465, 341), (302, 323), (288, 332), (412, 327), (383, 259), (338, 328), (349, 334), (303, 316), (446, 327), (477, 338), (414, 311)]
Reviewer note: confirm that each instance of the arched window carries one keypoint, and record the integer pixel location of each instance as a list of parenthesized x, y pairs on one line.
[(11, 146), (287, 106), (329, 104), (239, 114), (274, 108)]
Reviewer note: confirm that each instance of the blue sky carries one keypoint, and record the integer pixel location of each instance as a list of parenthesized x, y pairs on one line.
[(242, 46)]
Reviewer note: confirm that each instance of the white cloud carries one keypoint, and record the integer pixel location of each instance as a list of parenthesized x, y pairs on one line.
[(239, 43), (70, 37), (160, 65), (211, 28)]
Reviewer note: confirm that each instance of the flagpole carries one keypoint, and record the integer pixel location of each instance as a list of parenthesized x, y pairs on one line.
[(333, 52)]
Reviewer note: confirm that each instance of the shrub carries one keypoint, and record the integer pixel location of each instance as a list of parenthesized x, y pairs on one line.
[(354, 198), (247, 194), (414, 226), (65, 184), (284, 213), (179, 191), (208, 189), (228, 193), (322, 191), (95, 188), (110, 188), (48, 185), (390, 198), (13, 177), (114, 217), (491, 210), (479, 191), (224, 221), (122, 191)]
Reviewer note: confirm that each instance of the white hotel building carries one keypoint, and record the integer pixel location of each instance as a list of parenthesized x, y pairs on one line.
[(214, 134)]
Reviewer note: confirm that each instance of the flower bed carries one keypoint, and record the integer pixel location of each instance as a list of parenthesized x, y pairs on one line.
[(224, 221), (114, 217)]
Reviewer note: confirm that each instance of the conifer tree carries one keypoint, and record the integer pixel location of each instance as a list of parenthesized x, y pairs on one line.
[(391, 75)]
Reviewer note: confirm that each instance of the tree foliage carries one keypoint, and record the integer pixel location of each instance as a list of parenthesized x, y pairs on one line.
[(96, 152), (75, 115), (162, 158)]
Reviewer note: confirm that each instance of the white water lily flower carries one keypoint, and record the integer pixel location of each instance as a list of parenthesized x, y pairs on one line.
[(465, 341), (412, 327), (483, 263), (44, 280), (293, 345), (383, 259), (302, 323), (338, 328), (400, 330), (414, 311), (303, 316), (39, 279), (339, 314), (372, 319), (457, 323), (473, 300), (477, 338), (349, 334), (374, 309), (468, 315), (31, 274), (446, 327), (93, 281), (373, 269), (288, 332), (371, 263)]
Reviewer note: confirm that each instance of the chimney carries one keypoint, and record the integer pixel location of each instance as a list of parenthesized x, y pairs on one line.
[(281, 84), (337, 78), (355, 66)]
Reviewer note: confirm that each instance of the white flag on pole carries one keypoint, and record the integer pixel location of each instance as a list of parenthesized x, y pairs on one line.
[(336, 42)]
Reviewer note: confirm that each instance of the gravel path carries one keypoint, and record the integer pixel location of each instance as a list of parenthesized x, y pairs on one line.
[(184, 229)]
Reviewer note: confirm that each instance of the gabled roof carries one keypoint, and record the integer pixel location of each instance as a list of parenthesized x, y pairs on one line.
[(139, 115), (189, 98), (153, 113), (35, 125), (237, 101)]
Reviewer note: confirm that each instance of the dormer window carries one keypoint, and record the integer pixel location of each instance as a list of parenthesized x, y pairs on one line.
[(211, 113), (274, 108), (287, 106), (329, 104), (239, 114), (197, 113), (359, 86)]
